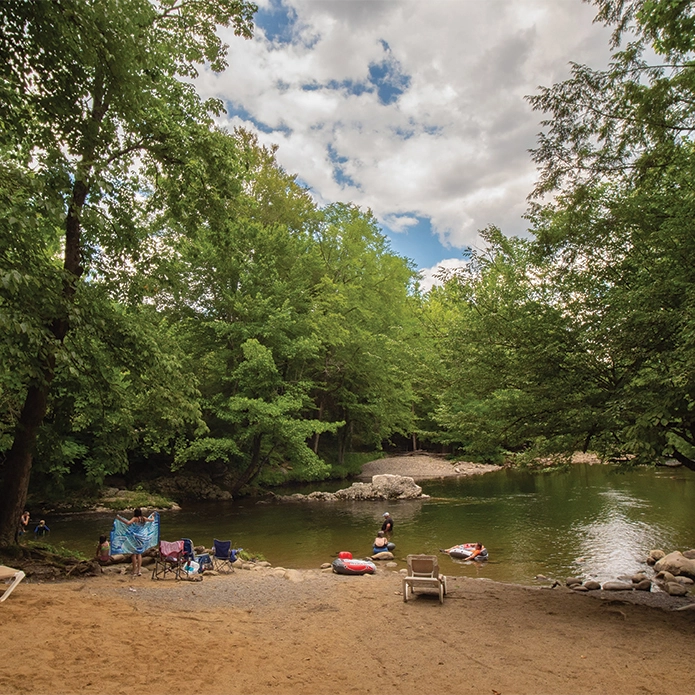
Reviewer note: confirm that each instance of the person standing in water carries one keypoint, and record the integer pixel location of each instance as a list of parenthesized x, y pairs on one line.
[(23, 523), (387, 526)]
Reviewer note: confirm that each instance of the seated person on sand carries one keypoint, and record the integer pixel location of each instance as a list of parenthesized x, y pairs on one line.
[(104, 551), (381, 543)]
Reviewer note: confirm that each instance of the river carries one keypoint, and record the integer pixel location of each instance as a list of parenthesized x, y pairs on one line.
[(591, 521)]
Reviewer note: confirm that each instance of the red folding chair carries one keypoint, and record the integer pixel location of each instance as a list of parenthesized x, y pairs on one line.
[(170, 560)]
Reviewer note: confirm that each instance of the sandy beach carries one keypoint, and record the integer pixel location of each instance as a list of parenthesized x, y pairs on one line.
[(308, 632)]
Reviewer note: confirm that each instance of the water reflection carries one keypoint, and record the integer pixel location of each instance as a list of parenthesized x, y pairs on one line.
[(619, 538), (590, 521)]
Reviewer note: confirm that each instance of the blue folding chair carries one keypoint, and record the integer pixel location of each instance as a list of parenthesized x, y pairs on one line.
[(223, 555), (204, 561)]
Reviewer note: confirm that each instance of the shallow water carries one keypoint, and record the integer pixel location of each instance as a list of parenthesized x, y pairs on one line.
[(591, 521)]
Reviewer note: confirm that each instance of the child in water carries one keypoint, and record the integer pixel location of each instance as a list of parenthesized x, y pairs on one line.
[(41, 530)]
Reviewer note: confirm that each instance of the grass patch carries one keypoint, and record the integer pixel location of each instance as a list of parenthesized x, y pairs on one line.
[(352, 463), (58, 550), (132, 499), (249, 556)]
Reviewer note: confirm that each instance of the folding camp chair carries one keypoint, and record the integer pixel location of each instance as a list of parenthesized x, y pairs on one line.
[(194, 565), (12, 577), (223, 555), (169, 560), (423, 572)]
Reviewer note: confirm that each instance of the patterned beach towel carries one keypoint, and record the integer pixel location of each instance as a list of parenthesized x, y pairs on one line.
[(136, 538)]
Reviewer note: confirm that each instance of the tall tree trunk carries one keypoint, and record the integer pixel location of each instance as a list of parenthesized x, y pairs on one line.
[(17, 468), (317, 435)]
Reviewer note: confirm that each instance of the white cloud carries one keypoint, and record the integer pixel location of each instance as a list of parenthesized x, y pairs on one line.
[(454, 146), (429, 277)]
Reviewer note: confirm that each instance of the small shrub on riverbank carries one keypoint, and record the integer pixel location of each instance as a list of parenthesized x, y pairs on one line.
[(248, 556), (352, 463), (60, 551)]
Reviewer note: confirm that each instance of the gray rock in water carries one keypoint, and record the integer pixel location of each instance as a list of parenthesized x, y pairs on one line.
[(578, 587), (644, 585), (592, 585), (675, 589), (570, 581), (382, 487), (690, 554), (685, 581), (617, 586), (391, 487), (656, 554), (665, 576)]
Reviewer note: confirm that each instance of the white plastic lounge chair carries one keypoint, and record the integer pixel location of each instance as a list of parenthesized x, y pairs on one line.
[(11, 576), (423, 572)]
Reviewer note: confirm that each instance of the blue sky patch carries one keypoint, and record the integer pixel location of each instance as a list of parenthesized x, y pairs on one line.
[(241, 112), (420, 243), (277, 22), (339, 174), (388, 77)]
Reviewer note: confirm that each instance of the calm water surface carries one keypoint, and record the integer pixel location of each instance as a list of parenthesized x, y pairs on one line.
[(591, 521)]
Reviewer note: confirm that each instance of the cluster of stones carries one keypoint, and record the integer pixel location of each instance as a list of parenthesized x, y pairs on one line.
[(673, 573), (382, 487), (637, 582)]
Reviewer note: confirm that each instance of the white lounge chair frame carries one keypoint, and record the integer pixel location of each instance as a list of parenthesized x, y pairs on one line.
[(11, 575), (423, 572)]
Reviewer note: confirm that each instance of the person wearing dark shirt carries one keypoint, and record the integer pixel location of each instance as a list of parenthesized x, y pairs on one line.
[(387, 526), (41, 529)]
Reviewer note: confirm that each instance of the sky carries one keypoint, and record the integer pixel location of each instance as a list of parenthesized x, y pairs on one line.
[(412, 109)]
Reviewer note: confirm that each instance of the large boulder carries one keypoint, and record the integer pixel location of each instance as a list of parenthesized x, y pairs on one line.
[(676, 564), (382, 487), (395, 487)]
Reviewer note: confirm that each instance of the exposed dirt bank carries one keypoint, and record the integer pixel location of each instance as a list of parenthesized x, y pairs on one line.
[(316, 633)]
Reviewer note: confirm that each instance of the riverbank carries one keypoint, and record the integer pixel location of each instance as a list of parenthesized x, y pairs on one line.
[(307, 632), (421, 466)]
